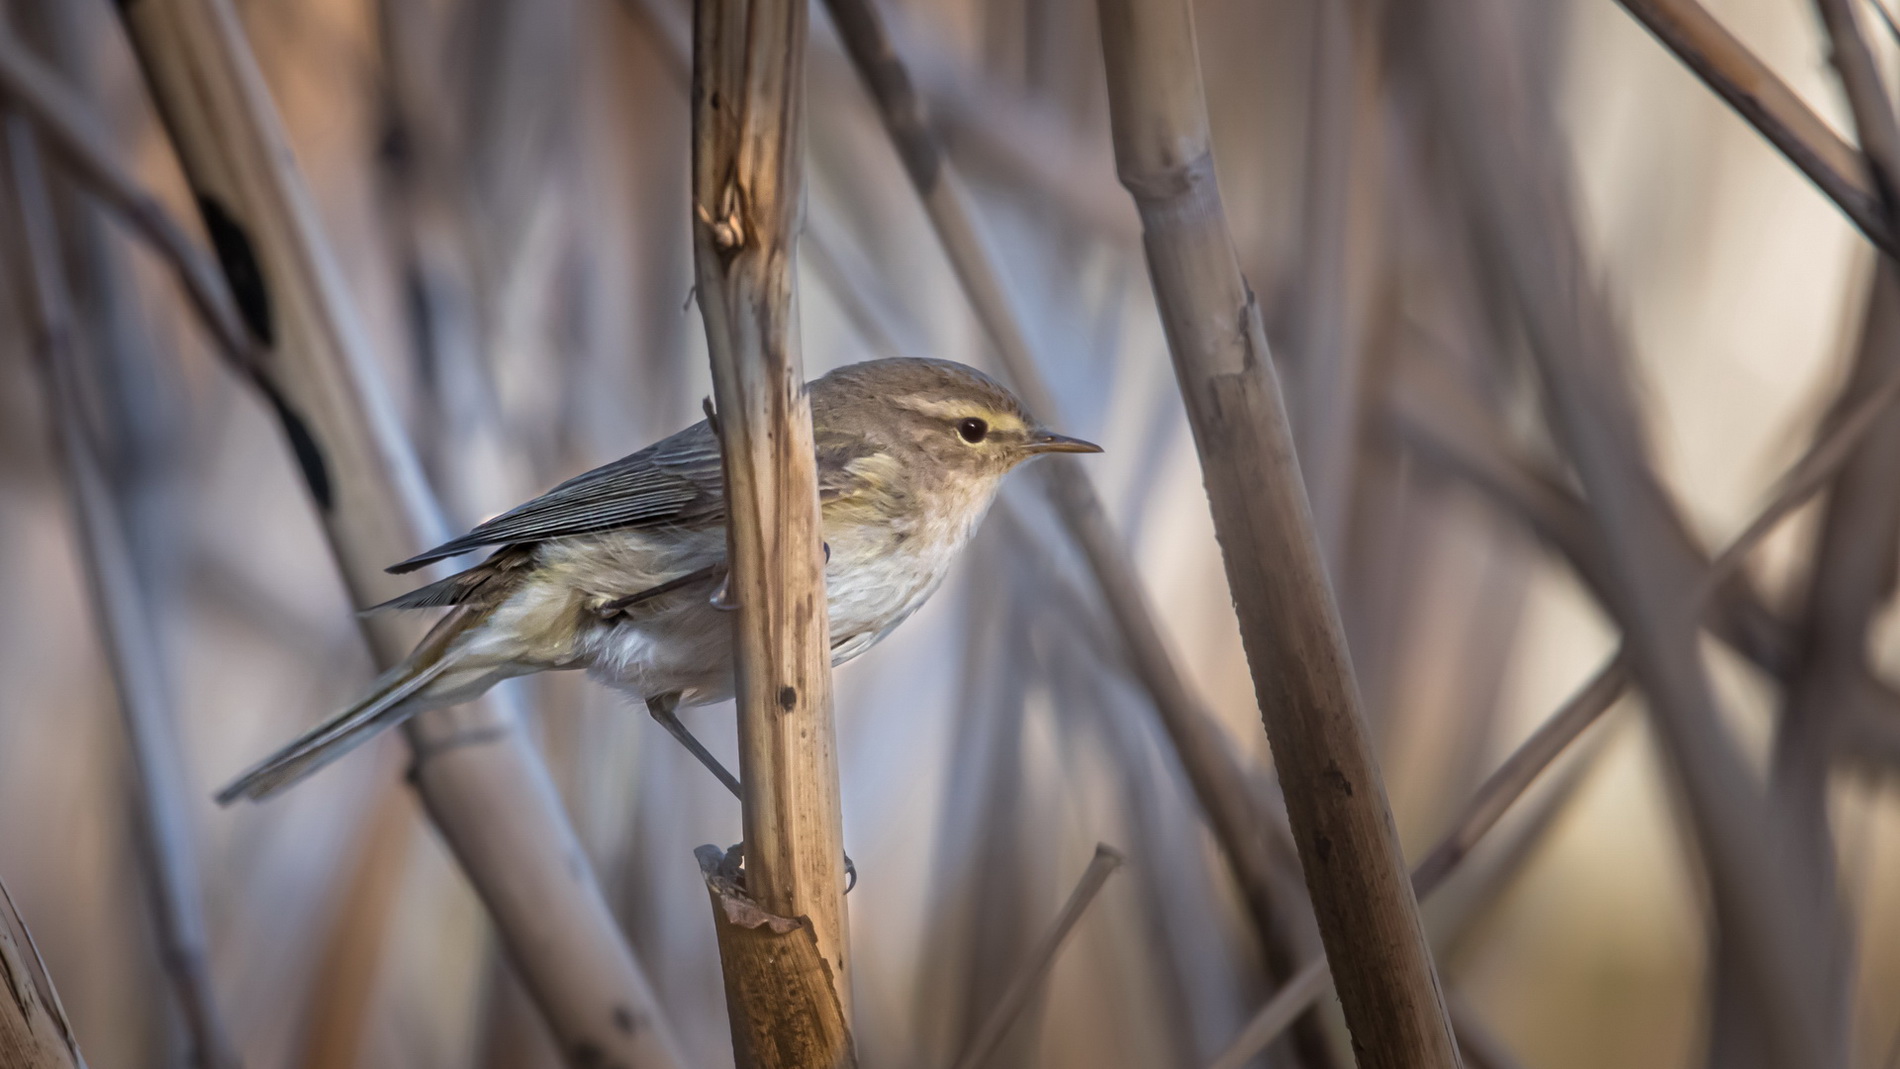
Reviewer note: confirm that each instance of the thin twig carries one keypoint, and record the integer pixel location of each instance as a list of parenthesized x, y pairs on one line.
[(1777, 112), (1462, 907), (1041, 958), (1866, 99), (1886, 18), (1481, 1048), (1512, 778), (77, 136), (1447, 425), (1291, 1000)]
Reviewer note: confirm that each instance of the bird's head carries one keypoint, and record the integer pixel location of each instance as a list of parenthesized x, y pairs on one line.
[(945, 425)]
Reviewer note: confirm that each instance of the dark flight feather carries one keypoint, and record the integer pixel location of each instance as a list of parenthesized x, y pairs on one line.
[(464, 586)]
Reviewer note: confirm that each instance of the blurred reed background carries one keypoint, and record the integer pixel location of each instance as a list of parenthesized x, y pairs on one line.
[(505, 183)]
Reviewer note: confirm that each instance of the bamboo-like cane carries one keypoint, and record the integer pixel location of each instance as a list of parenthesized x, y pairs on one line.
[(34, 1031), (1766, 904), (1206, 755), (479, 778), (788, 1007), (160, 805), (1290, 626)]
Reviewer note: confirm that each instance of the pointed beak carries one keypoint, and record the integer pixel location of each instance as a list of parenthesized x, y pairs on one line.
[(1046, 442)]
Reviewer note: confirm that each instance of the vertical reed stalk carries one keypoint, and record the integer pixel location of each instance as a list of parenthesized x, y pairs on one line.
[(160, 802), (1289, 622), (788, 1005), (479, 778)]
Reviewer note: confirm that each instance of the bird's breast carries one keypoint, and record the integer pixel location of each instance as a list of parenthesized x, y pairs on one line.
[(878, 575)]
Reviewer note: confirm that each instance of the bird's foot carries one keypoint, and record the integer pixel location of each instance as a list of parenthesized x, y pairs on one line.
[(735, 867)]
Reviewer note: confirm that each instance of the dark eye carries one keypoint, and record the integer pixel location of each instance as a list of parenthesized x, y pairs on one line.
[(972, 430)]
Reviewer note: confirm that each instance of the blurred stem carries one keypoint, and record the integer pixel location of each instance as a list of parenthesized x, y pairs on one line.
[(1516, 186), (338, 1010), (1041, 958), (479, 778), (1328, 355), (161, 806), (1866, 98), (1482, 813), (1203, 748), (81, 142), (1765, 102), (1851, 579), (1448, 428), (1482, 1049), (139, 433), (1289, 621)]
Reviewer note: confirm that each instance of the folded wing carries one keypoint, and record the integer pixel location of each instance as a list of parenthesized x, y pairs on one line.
[(674, 480)]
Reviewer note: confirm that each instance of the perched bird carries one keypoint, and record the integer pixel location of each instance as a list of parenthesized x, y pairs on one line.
[(621, 571)]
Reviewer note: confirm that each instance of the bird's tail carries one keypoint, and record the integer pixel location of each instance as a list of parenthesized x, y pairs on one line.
[(390, 701)]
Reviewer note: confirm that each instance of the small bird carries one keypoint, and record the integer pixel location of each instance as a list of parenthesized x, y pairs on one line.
[(621, 571)]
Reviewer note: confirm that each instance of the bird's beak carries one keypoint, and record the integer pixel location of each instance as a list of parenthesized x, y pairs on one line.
[(1045, 442)]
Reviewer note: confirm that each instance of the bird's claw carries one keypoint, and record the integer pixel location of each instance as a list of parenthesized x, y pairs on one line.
[(735, 867)]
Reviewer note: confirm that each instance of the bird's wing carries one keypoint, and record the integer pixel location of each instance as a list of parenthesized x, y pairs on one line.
[(674, 480)]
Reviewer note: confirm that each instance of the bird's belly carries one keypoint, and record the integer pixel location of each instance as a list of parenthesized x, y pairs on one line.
[(687, 651), (687, 647), (870, 596)]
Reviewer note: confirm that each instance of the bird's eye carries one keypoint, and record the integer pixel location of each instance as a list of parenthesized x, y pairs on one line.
[(972, 430)]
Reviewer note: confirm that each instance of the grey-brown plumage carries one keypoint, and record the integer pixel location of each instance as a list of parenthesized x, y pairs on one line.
[(618, 571)]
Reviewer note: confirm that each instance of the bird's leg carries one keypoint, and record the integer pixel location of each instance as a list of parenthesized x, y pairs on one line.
[(665, 709)]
